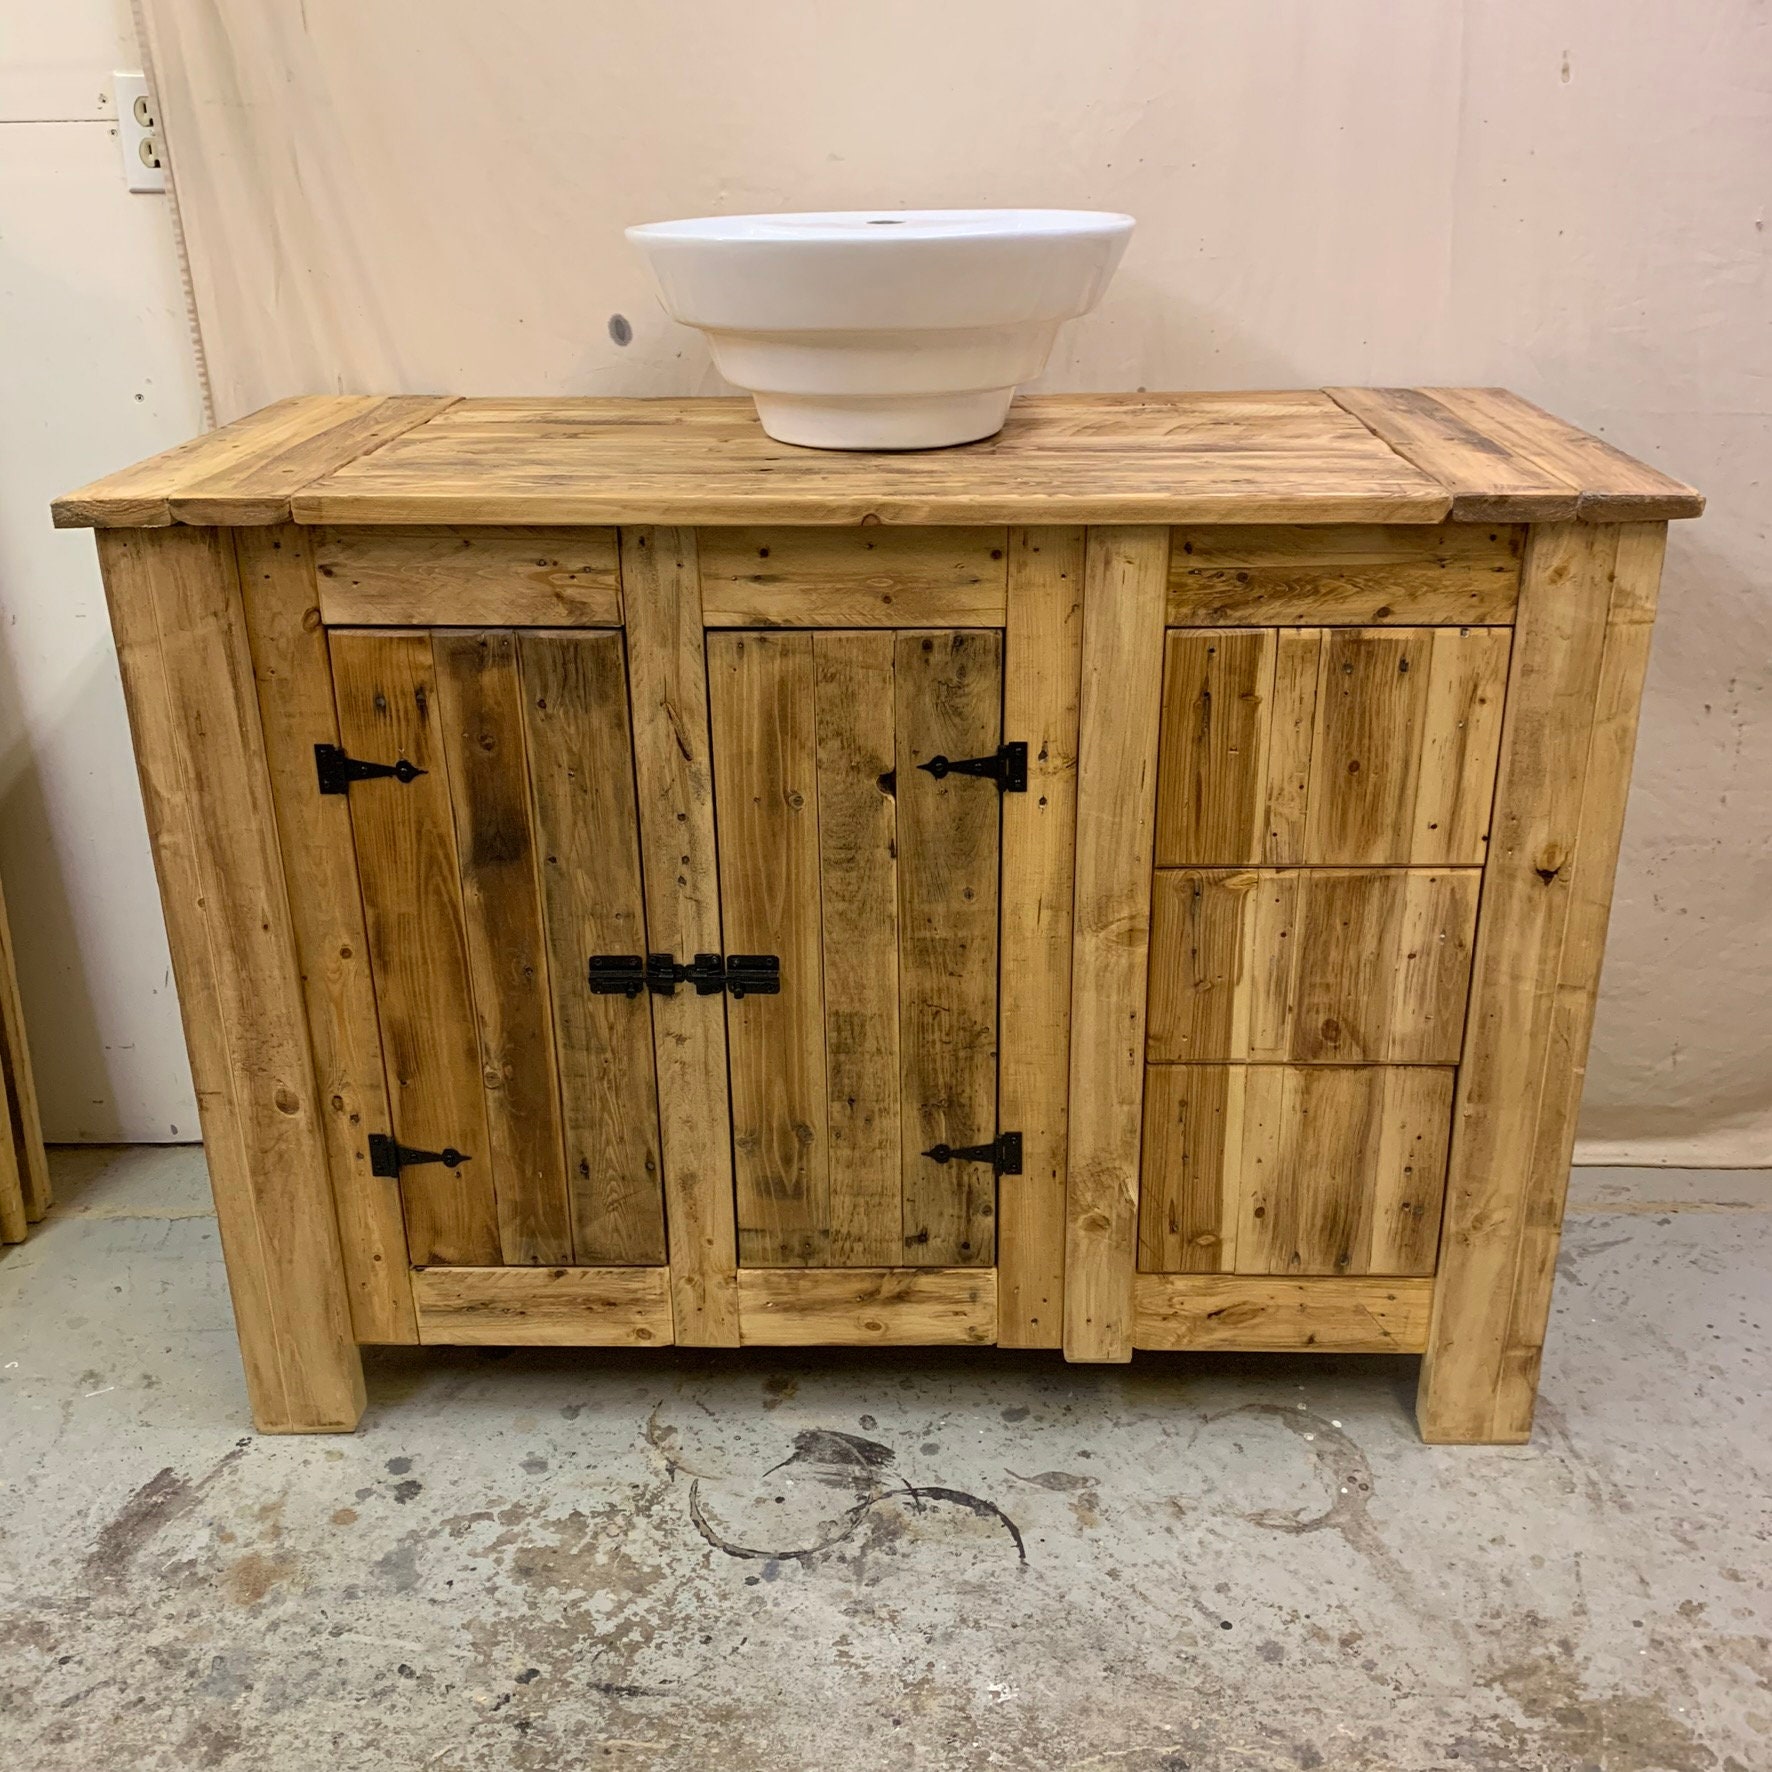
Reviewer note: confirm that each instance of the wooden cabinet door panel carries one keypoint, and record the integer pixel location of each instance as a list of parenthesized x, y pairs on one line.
[(488, 880), (1320, 747), (1310, 965), (1282, 1169), (877, 887)]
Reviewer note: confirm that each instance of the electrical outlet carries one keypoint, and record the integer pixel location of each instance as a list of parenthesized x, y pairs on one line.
[(138, 134)]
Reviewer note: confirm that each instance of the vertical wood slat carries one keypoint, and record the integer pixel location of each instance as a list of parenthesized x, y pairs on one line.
[(949, 688), (762, 715), (385, 686), (187, 676), (25, 1193), (1188, 1206), (668, 690), (1043, 645), (581, 783), (1125, 574), (294, 678), (858, 867), (1587, 598), (480, 722)]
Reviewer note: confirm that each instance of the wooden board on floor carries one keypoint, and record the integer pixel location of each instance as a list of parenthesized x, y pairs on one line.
[(1228, 1313)]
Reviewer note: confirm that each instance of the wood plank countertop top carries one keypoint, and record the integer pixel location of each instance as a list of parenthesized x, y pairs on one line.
[(1330, 455)]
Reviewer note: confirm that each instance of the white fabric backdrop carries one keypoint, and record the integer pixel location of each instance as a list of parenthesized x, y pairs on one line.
[(1566, 197)]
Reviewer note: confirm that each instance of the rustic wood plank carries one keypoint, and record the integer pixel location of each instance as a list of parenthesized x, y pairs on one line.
[(668, 691), (762, 705), (1615, 487), (1323, 1148), (1160, 458), (187, 676), (949, 689), (1586, 601), (839, 578), (543, 1306), (867, 1307), (1193, 1147), (1043, 648), (1460, 741), (480, 710), (296, 712), (1318, 966), (246, 472), (551, 578), (1359, 575), (385, 684), (858, 872), (1230, 1313), (18, 1087), (1489, 481), (1125, 575), (1212, 785), (581, 783)]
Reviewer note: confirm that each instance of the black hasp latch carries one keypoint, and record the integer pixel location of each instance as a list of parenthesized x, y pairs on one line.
[(1008, 768), (627, 975), (387, 1156), (1003, 1153), (337, 771)]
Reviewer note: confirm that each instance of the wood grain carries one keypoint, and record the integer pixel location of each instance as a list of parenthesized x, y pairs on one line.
[(1359, 575), (581, 783), (18, 1092), (867, 1307), (1042, 665), (187, 675), (1229, 1313), (294, 678), (1318, 966), (543, 1306), (949, 693), (668, 691), (858, 873), (468, 577), (1125, 575), (1489, 480), (385, 682), (480, 708), (762, 711), (1587, 597), (871, 578)]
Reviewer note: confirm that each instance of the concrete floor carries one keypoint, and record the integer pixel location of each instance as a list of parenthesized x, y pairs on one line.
[(550, 1560)]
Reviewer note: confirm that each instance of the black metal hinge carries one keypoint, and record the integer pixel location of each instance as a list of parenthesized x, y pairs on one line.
[(337, 771), (1003, 1153), (1008, 768), (627, 975), (387, 1156)]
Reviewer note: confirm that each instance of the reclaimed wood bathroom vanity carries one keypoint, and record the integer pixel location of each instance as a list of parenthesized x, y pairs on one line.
[(1136, 882)]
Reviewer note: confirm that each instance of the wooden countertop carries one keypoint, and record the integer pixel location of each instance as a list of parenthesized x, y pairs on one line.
[(1333, 455)]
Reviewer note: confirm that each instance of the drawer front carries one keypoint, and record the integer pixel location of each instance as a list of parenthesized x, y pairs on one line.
[(1291, 1169), (1371, 746), (1310, 965)]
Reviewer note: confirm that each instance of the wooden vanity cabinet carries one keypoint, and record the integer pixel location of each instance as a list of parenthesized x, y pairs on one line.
[(1138, 882)]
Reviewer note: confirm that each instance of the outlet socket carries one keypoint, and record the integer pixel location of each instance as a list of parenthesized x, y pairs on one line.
[(138, 134)]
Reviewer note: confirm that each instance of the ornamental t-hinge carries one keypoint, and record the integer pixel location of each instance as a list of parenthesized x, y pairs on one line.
[(1008, 768), (627, 975), (1003, 1153), (337, 771), (387, 1156)]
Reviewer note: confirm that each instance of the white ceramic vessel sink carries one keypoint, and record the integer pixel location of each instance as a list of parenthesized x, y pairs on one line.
[(883, 329)]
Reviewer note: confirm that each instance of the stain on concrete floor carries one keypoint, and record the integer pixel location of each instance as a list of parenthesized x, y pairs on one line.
[(959, 1559)]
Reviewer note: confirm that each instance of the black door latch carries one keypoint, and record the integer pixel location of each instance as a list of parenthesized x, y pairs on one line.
[(337, 771), (1008, 768), (1003, 1153), (387, 1156), (627, 975)]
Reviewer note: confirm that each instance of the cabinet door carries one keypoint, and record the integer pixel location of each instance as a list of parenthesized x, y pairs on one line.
[(488, 880), (876, 885)]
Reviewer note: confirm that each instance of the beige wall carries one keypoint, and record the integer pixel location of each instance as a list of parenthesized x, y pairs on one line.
[(1565, 196), (95, 368)]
